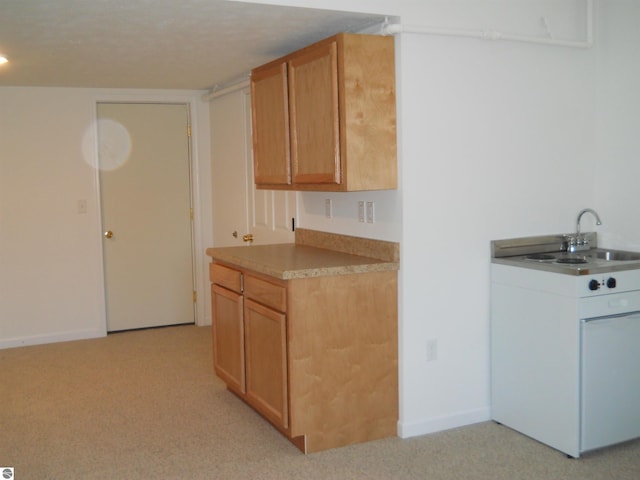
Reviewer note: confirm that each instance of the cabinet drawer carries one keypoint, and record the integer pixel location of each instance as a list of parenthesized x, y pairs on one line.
[(226, 277), (266, 293)]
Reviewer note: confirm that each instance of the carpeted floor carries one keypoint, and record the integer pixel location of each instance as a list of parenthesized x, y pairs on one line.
[(146, 405)]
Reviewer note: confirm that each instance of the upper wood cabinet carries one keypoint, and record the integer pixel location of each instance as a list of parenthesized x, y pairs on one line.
[(270, 119), (324, 117)]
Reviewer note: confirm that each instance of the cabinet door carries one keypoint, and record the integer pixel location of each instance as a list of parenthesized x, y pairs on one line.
[(228, 337), (267, 362), (313, 97), (270, 121)]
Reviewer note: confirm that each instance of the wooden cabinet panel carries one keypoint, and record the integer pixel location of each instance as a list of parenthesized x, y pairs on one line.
[(226, 277), (314, 120), (266, 350), (270, 119), (368, 112), (228, 337), (343, 350), (267, 293)]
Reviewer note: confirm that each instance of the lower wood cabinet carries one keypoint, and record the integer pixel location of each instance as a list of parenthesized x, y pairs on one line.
[(266, 357), (228, 337), (316, 357)]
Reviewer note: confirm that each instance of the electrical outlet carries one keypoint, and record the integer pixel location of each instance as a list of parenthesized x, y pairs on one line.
[(432, 349), (361, 211), (327, 208), (370, 212)]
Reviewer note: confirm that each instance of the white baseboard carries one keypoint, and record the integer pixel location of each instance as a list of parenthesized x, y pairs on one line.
[(51, 338), (438, 424)]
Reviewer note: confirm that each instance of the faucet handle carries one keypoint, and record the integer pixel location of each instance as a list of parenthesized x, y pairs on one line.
[(568, 242), (575, 243)]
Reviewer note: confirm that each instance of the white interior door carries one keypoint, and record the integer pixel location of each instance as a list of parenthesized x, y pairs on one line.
[(228, 170), (146, 214), (238, 208), (271, 213)]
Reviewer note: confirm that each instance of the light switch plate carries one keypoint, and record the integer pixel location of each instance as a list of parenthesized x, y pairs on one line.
[(370, 212), (361, 211)]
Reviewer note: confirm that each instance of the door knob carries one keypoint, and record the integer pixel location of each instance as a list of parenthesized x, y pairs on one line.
[(248, 237), (108, 234)]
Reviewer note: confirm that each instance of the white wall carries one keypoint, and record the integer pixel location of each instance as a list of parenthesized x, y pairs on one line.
[(51, 284), (497, 143), (618, 101), (49, 254), (387, 213)]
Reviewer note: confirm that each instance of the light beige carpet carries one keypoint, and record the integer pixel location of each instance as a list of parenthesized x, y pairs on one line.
[(146, 405)]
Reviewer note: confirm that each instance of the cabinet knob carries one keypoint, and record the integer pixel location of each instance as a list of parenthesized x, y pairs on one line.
[(108, 234)]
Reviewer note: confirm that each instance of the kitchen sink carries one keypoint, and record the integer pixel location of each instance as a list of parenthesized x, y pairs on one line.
[(549, 253), (613, 255)]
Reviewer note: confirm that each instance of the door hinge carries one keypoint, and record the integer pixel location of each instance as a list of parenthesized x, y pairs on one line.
[(195, 296), (191, 213), (189, 131)]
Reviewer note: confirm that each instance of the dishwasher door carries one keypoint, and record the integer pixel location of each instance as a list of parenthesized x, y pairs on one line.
[(610, 387)]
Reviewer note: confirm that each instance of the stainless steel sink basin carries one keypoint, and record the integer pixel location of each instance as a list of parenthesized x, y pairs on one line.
[(614, 255)]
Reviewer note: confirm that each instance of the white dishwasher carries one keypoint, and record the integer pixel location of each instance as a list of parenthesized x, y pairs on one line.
[(610, 380)]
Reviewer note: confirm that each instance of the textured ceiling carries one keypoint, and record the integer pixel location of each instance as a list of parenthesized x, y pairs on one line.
[(168, 44)]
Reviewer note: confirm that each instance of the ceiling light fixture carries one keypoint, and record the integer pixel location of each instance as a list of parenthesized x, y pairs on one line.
[(3, 59)]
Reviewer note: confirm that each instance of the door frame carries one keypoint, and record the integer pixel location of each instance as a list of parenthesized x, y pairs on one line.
[(198, 168)]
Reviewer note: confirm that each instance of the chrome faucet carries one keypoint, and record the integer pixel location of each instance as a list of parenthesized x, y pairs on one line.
[(582, 212), (578, 241)]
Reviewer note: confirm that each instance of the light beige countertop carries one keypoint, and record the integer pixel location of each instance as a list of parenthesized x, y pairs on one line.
[(314, 254)]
